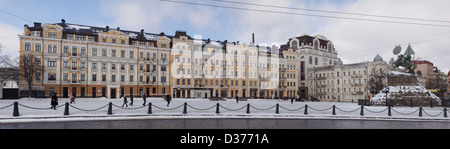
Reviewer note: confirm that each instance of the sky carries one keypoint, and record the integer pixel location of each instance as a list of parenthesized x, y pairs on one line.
[(355, 40)]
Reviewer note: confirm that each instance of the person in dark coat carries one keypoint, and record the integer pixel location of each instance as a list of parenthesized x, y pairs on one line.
[(145, 99), (168, 99), (124, 101), (131, 99), (237, 99), (54, 101)]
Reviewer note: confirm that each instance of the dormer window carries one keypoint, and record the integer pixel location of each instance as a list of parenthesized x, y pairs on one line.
[(36, 33), (316, 45)]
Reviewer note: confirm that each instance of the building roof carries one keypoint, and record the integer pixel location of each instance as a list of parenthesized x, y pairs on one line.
[(378, 58), (339, 62)]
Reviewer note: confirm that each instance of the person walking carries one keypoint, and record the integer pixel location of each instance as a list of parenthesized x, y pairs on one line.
[(237, 99), (54, 101), (145, 99), (168, 99), (124, 101), (72, 99), (131, 99)]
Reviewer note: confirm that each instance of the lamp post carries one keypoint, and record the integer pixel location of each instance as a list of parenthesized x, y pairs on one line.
[(386, 91)]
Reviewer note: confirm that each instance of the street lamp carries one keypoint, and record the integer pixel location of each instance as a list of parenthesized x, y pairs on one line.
[(386, 91)]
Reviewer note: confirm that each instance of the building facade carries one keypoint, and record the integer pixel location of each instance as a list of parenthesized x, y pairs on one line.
[(89, 61), (348, 82)]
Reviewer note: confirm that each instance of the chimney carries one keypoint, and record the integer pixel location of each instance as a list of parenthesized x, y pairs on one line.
[(107, 28), (37, 24), (253, 38), (142, 32), (118, 28), (63, 21)]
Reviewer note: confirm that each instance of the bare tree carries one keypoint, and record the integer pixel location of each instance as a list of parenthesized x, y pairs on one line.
[(8, 68), (30, 69)]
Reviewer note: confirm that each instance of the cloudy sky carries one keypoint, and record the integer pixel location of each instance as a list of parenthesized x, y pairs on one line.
[(356, 39)]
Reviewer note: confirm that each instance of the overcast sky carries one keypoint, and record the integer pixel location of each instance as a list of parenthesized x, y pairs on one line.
[(355, 40)]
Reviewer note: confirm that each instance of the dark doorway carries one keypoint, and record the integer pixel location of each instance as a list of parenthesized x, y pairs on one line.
[(113, 93), (94, 92), (65, 92), (122, 91), (74, 92), (82, 91), (103, 91)]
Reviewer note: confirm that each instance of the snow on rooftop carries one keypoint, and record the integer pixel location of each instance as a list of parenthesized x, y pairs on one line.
[(150, 37), (77, 27)]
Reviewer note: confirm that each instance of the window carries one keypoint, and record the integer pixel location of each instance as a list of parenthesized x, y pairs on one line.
[(122, 66), (66, 49), (94, 51), (310, 60), (123, 41), (91, 38), (113, 78), (122, 53), (163, 45), (65, 63), (74, 64), (80, 37), (37, 62), (94, 77), (113, 66), (54, 48), (52, 35), (131, 78), (316, 61), (294, 44), (113, 52), (37, 47), (104, 39), (103, 65), (83, 64), (52, 76), (69, 37), (37, 76), (27, 46), (122, 78), (131, 54), (51, 63), (83, 50), (104, 52), (65, 77), (163, 79), (74, 51), (83, 77), (316, 45), (131, 66), (114, 40), (104, 78)]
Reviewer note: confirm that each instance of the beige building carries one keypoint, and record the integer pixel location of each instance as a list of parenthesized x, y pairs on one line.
[(347, 82)]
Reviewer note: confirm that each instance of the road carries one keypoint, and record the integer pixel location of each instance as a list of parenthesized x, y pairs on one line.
[(235, 123)]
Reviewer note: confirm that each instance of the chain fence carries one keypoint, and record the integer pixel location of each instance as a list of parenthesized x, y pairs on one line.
[(218, 107)]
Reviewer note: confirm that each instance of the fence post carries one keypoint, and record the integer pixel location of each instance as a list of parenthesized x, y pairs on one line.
[(389, 111), (362, 110), (150, 108), (420, 112), (66, 109), (16, 109), (445, 112), (217, 108), (334, 110), (248, 108), (277, 110), (185, 108), (410, 100), (306, 110), (110, 108)]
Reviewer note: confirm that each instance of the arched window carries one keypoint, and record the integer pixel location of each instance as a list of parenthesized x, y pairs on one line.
[(294, 44), (316, 61), (310, 60), (330, 48), (316, 45)]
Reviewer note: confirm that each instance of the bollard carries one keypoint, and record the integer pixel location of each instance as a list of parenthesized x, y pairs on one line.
[(389, 111), (277, 110), (306, 110), (420, 112), (16, 109), (110, 108), (185, 108), (334, 110), (362, 110), (217, 108), (66, 109), (248, 108), (411, 103), (149, 108), (445, 112)]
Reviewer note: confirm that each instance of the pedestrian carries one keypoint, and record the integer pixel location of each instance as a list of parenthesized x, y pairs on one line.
[(237, 99), (168, 99), (124, 101), (292, 100), (131, 99), (72, 99), (54, 101), (145, 99)]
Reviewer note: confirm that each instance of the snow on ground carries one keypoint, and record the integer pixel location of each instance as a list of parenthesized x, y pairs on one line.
[(89, 107)]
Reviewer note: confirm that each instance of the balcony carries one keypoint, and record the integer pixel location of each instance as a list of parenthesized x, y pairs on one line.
[(321, 86), (321, 78), (356, 76), (356, 84), (282, 69), (358, 93)]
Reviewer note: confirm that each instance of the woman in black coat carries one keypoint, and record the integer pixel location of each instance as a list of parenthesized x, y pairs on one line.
[(54, 101)]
